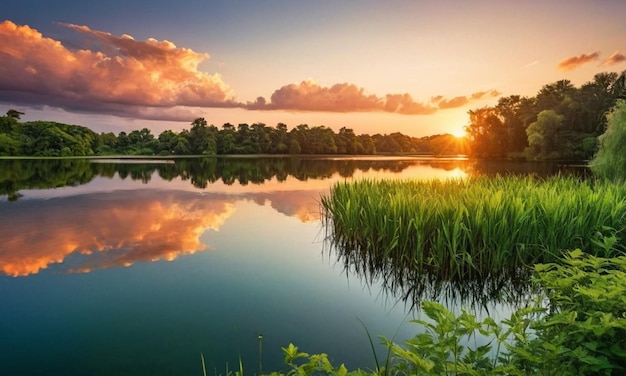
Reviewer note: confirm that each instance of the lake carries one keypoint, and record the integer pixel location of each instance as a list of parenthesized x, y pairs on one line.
[(136, 267)]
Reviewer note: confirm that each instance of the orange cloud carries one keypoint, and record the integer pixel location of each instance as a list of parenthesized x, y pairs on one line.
[(576, 61), (156, 80), (485, 94), (616, 58), (115, 75), (119, 230), (310, 96), (460, 101), (454, 102), (345, 97), (404, 104)]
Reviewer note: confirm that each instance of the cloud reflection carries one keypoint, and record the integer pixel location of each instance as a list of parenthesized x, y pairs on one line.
[(107, 230)]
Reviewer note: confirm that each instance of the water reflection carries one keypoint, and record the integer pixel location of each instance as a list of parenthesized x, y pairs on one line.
[(411, 287), (23, 174), (245, 236), (106, 230), (119, 227)]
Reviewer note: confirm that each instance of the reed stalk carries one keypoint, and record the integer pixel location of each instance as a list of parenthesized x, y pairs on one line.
[(475, 227)]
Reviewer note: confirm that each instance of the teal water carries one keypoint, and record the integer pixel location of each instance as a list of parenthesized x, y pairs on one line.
[(136, 269)]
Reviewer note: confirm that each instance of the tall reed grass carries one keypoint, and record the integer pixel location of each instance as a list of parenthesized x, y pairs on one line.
[(473, 228)]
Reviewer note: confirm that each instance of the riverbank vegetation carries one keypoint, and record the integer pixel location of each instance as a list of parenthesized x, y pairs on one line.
[(560, 122), (575, 327), (477, 227), (46, 138)]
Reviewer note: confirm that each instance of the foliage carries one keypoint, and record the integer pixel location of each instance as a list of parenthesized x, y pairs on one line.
[(576, 327), (473, 228), (584, 331), (57, 139), (610, 161), (543, 132), (553, 124), (44, 138)]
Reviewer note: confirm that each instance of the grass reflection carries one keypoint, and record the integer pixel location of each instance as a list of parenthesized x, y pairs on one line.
[(473, 237)]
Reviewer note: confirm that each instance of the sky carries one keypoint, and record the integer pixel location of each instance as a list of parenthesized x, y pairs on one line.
[(415, 67)]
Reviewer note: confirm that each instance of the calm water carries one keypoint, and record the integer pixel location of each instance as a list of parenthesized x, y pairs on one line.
[(126, 267)]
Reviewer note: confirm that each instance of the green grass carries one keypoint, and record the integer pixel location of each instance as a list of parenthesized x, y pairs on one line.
[(472, 228)]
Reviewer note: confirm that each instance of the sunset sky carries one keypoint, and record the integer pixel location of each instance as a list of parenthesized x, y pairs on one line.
[(414, 67)]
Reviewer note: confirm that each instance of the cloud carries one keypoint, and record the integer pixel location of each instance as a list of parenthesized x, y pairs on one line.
[(106, 74), (345, 97), (616, 58), (310, 96), (485, 94), (576, 61), (442, 103), (156, 80)]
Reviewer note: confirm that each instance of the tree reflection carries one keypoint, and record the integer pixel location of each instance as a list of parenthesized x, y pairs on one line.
[(21, 174)]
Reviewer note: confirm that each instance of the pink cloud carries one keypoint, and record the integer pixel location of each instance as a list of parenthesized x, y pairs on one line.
[(345, 97), (576, 61), (118, 75), (157, 80), (616, 58), (310, 96)]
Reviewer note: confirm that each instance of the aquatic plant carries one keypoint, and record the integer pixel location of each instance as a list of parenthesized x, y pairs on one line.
[(475, 228), (578, 327)]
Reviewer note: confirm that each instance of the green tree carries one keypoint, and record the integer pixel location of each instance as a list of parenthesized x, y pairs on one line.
[(542, 134), (279, 138), (610, 160), (226, 142), (202, 138)]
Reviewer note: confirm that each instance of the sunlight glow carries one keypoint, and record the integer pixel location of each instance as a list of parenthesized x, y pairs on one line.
[(458, 133)]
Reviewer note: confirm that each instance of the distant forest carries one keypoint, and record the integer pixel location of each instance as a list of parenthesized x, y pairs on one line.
[(560, 122), (51, 139)]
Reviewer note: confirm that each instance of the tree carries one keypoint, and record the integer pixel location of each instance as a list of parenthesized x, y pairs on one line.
[(294, 148), (14, 114), (610, 160), (487, 133), (202, 138), (542, 134), (511, 110), (279, 138)]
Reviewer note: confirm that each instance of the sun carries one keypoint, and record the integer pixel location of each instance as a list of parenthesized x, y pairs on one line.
[(458, 133)]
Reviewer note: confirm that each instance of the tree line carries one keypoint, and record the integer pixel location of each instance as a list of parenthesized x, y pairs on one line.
[(45, 138), (560, 122)]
